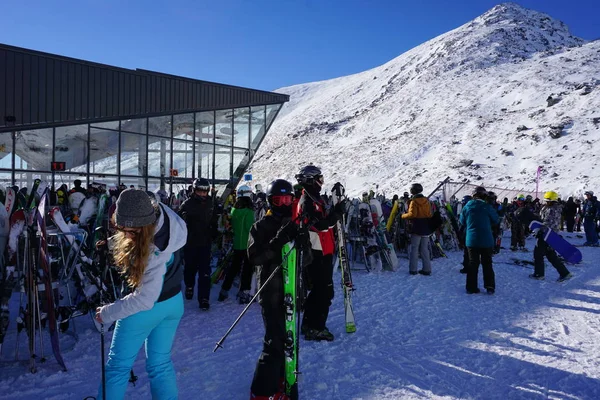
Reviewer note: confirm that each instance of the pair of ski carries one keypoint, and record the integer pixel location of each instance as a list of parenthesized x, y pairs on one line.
[(36, 266)]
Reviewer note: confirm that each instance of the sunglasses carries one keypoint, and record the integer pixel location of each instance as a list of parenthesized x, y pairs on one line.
[(282, 200)]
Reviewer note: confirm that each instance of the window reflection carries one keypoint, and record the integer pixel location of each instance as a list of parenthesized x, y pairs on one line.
[(33, 149), (133, 154), (224, 122), (104, 147), (71, 146)]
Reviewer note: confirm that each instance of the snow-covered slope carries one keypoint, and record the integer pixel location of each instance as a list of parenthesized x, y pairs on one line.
[(471, 103)]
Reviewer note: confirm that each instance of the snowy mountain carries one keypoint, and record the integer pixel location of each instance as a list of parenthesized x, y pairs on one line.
[(471, 104)]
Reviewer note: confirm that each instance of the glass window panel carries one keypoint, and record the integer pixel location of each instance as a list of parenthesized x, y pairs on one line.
[(241, 159), (6, 149), (257, 126), (33, 149), (241, 127), (271, 113), (222, 162), (104, 147), (68, 179), (223, 127), (108, 180), (138, 183), (5, 178), (25, 179), (71, 146), (183, 160), (205, 126), (160, 126), (114, 125), (204, 160), (183, 126), (154, 184), (134, 125), (133, 154), (159, 156)]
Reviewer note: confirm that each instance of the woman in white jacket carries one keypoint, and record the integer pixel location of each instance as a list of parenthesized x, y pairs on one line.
[(146, 250)]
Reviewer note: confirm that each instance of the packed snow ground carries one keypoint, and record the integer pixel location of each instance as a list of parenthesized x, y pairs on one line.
[(418, 337)]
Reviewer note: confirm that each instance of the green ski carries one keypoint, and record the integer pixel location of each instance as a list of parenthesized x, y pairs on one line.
[(290, 286)]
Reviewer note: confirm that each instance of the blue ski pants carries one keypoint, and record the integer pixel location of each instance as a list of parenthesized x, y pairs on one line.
[(156, 329), (589, 225)]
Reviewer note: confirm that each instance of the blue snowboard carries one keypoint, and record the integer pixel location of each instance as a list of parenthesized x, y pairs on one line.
[(570, 253)]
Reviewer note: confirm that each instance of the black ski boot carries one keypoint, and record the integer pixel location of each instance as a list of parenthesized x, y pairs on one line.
[(314, 334)]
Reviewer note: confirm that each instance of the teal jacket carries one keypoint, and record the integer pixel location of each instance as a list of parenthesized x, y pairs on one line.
[(242, 220), (477, 218)]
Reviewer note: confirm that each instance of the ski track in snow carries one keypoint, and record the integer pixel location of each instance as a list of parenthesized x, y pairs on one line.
[(418, 337)]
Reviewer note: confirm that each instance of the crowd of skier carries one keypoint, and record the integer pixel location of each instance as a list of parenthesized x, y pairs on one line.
[(157, 240)]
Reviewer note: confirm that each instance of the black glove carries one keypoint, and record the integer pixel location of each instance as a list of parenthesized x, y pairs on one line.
[(285, 234)]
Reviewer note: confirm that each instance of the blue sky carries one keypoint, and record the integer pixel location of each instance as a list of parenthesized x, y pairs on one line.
[(262, 44)]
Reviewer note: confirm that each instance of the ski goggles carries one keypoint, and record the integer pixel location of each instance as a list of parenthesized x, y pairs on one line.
[(282, 200)]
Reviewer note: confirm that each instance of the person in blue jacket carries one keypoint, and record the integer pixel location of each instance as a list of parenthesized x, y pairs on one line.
[(146, 249), (477, 218)]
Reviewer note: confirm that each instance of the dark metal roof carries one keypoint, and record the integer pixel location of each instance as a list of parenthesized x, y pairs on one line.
[(40, 89)]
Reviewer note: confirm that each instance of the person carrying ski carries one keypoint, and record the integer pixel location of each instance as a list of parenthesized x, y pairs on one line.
[(201, 221), (242, 219), (146, 250), (590, 212), (265, 242), (478, 217), (419, 213), (550, 216), (320, 271)]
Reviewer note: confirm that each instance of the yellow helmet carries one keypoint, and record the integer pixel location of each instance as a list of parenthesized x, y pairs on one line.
[(551, 196)]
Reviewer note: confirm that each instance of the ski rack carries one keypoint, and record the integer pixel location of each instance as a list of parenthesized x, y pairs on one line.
[(74, 253)]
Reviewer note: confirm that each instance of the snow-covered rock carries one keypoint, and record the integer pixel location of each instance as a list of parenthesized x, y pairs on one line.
[(463, 95)]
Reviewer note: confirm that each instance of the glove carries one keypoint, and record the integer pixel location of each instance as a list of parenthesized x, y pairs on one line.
[(285, 234)]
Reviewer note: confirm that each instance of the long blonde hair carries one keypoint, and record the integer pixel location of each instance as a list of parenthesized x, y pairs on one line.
[(131, 255)]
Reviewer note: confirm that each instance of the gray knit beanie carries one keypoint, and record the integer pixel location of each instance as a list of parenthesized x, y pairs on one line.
[(134, 209)]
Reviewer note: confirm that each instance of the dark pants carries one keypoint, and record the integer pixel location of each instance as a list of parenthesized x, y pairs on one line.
[(465, 262), (197, 261), (517, 234), (239, 261), (570, 220), (543, 249), (481, 255), (270, 367), (316, 306)]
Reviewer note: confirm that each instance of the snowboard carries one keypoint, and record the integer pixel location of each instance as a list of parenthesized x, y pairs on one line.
[(570, 253)]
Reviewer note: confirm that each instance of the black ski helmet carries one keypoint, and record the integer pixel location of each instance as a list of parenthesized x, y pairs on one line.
[(480, 192), (202, 184), (416, 188), (466, 199), (309, 176), (280, 187)]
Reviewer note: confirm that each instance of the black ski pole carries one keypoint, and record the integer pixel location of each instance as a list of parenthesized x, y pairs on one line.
[(220, 342)]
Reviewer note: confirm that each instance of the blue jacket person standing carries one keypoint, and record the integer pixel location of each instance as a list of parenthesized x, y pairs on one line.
[(146, 251), (477, 218)]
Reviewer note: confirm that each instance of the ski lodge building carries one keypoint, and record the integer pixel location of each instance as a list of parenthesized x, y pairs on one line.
[(63, 119)]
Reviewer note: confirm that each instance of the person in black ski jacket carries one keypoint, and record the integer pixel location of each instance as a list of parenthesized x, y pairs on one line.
[(201, 221), (320, 271), (265, 243), (570, 211)]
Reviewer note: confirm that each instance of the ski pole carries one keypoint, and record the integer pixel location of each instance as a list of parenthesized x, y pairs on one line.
[(220, 342)]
